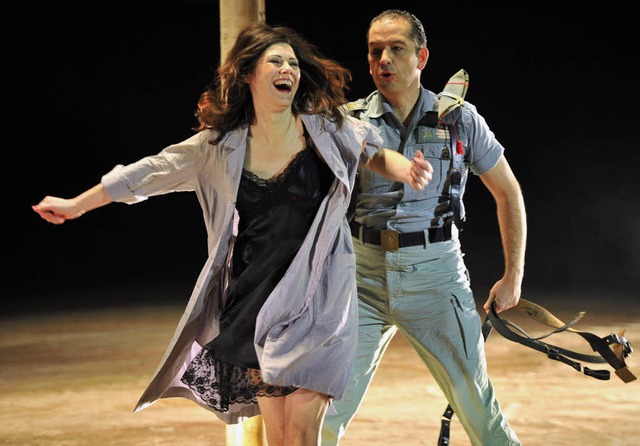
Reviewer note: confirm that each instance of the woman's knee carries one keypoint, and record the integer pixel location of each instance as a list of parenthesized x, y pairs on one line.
[(304, 415)]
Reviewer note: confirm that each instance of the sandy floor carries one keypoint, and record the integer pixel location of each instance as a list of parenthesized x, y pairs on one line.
[(73, 379)]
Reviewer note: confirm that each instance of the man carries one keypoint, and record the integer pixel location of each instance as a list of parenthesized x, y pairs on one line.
[(412, 277)]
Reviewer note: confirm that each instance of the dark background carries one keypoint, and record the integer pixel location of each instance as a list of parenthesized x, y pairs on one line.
[(112, 83)]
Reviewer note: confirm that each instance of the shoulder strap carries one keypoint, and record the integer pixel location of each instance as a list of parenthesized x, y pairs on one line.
[(449, 102)]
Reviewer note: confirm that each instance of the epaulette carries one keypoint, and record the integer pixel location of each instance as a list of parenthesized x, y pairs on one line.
[(453, 95), (354, 107)]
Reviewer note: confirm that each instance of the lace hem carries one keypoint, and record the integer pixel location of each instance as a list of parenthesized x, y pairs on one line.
[(220, 384)]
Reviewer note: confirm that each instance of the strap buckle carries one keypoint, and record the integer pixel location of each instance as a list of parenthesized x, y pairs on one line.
[(389, 240)]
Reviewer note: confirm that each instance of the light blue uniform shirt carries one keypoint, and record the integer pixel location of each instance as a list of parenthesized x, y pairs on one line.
[(384, 204)]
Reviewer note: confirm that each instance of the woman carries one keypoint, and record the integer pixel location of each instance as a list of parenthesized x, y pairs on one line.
[(271, 326)]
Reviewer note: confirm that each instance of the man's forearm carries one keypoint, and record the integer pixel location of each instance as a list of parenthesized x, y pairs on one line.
[(513, 230)]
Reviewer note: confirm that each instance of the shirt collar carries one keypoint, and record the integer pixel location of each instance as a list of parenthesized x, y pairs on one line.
[(427, 101)]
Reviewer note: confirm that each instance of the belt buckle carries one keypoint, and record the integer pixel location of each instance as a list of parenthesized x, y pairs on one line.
[(389, 240)]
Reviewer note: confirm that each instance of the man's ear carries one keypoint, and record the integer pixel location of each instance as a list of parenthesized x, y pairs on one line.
[(423, 57)]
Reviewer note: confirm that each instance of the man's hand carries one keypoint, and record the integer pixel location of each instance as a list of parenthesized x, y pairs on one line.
[(506, 294), (421, 172), (396, 167)]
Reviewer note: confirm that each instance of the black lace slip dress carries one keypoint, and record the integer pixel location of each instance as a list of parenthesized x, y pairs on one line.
[(275, 216)]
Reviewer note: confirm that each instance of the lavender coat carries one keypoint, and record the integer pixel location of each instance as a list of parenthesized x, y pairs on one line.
[(306, 332)]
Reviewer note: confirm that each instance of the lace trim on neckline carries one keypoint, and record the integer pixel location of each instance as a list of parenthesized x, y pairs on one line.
[(279, 177)]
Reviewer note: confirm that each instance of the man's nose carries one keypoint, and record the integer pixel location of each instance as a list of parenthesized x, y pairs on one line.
[(385, 56)]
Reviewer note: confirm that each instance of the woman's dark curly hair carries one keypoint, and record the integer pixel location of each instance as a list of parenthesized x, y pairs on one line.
[(226, 104)]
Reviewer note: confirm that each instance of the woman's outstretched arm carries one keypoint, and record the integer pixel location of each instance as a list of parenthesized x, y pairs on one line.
[(58, 210)]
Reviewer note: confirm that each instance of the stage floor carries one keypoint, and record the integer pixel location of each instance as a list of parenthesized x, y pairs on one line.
[(73, 378)]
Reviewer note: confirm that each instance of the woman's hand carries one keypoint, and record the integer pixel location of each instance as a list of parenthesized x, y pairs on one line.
[(57, 210)]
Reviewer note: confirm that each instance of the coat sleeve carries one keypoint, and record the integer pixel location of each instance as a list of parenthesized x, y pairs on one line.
[(171, 170), (371, 139)]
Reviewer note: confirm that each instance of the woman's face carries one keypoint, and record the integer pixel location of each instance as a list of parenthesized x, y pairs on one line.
[(276, 78)]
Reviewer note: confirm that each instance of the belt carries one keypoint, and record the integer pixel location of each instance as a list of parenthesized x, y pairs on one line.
[(391, 240)]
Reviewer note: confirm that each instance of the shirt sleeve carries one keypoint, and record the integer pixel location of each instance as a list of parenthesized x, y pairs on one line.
[(484, 149)]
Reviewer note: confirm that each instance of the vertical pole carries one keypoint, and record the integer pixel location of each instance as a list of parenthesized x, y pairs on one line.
[(235, 14)]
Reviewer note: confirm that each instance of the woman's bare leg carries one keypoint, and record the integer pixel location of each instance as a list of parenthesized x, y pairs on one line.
[(272, 410), (294, 420)]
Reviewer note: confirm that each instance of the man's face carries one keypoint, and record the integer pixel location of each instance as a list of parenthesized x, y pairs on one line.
[(394, 61)]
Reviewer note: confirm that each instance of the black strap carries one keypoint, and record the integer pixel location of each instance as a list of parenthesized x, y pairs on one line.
[(458, 171), (552, 351), (456, 194), (445, 425), (598, 344)]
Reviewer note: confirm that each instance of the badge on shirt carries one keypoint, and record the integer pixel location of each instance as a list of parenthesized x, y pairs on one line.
[(430, 134)]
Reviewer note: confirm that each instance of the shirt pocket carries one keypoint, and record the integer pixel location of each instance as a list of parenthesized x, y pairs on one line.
[(435, 145), (438, 155)]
